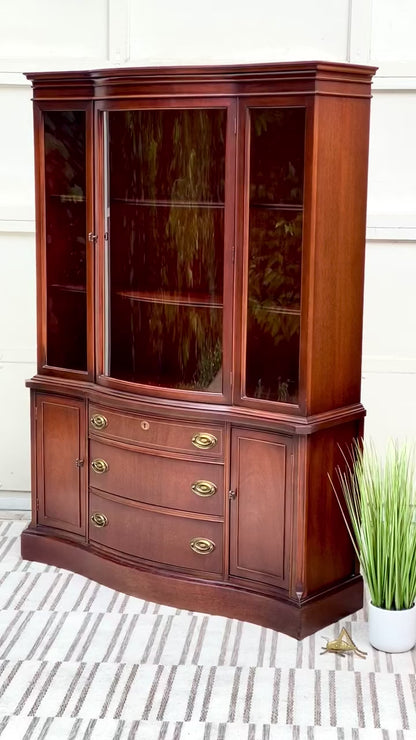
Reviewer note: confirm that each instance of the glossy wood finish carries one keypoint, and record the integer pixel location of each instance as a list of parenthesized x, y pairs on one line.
[(155, 535), (61, 463), (150, 431), (267, 435), (164, 481), (261, 513)]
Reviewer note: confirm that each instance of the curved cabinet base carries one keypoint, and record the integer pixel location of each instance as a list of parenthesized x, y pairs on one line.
[(295, 619)]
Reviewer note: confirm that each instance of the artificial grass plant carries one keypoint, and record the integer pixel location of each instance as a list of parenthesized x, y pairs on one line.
[(380, 498)]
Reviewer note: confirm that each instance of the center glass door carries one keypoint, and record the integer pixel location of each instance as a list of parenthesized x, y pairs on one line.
[(166, 232)]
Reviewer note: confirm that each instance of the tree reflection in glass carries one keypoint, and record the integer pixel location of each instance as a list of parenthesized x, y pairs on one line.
[(275, 253), (166, 195), (65, 225)]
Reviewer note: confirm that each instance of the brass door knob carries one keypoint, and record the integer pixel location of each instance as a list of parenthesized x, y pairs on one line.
[(204, 440), (204, 488), (99, 520), (99, 465), (202, 546), (98, 421)]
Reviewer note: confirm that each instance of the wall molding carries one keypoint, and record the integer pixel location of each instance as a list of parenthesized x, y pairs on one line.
[(388, 365), (393, 227), (18, 356)]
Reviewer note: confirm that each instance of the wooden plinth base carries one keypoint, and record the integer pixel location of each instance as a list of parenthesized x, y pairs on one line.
[(297, 619)]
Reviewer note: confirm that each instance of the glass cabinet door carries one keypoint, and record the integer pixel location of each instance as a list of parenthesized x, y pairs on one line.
[(165, 216), (275, 218), (65, 233)]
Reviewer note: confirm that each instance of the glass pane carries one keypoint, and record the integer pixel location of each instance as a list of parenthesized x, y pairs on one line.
[(276, 155), (275, 254), (166, 225), (65, 204)]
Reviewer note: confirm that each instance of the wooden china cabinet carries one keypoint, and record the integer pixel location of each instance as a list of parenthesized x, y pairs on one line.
[(200, 252)]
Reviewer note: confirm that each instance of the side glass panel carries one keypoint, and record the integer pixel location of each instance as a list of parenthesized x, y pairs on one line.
[(275, 253), (65, 237), (165, 209)]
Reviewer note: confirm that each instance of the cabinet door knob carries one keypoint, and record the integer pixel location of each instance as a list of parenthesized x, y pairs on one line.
[(204, 440), (204, 488), (99, 465), (98, 421), (99, 520), (202, 546)]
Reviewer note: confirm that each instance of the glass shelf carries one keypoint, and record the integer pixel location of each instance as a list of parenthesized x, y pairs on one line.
[(168, 203), (67, 198), (69, 288), (277, 206), (283, 310), (173, 299)]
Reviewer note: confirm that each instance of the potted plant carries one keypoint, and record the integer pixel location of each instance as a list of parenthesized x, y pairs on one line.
[(377, 496)]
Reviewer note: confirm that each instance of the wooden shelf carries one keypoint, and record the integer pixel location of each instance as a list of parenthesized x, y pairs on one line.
[(193, 300)]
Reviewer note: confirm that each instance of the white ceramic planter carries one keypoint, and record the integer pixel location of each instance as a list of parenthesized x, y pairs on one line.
[(392, 631)]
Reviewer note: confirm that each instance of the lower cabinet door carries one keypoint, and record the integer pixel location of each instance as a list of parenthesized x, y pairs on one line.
[(261, 506), (60, 468)]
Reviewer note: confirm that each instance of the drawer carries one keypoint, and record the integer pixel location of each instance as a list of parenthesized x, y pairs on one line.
[(202, 439), (153, 479), (156, 536)]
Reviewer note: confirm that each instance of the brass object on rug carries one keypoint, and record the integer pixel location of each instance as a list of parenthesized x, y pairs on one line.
[(342, 645)]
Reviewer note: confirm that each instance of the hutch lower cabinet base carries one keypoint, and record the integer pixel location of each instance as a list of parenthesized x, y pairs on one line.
[(249, 528), (200, 256)]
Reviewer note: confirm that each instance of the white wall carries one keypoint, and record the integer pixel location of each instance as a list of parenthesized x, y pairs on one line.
[(72, 34)]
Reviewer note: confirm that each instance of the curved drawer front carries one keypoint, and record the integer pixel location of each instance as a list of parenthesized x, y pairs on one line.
[(152, 479), (205, 440), (194, 544)]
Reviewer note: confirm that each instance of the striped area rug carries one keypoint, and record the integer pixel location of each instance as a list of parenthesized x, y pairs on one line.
[(78, 660)]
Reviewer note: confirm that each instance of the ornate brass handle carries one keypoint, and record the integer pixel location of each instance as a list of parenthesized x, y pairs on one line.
[(99, 520), (204, 441), (202, 546), (98, 421), (204, 488), (99, 465)]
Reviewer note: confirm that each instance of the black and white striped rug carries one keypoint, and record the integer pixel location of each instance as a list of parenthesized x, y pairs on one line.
[(78, 660)]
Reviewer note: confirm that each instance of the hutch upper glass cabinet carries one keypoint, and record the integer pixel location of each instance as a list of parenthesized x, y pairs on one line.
[(200, 252)]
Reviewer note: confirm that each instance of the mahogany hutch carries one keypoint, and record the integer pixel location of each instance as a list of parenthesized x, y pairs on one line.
[(200, 252)]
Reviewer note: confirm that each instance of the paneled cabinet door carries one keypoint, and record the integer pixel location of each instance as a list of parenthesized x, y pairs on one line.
[(260, 506), (61, 470)]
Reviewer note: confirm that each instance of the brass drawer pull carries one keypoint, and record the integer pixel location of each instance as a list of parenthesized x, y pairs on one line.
[(204, 488), (99, 465), (99, 520), (204, 441), (202, 546), (98, 421)]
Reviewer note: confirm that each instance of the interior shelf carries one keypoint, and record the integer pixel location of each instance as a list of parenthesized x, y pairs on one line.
[(168, 203), (68, 198), (174, 299), (288, 311), (69, 288), (278, 206)]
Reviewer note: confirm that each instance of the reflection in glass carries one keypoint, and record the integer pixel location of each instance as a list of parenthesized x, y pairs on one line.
[(65, 205), (275, 253), (166, 206)]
